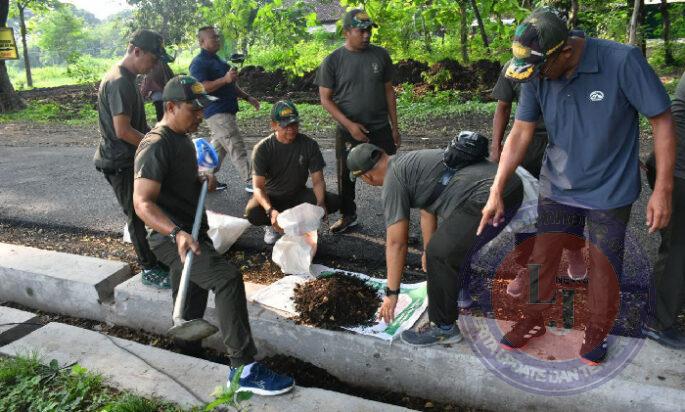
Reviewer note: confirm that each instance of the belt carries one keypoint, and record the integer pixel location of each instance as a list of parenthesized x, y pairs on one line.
[(107, 171)]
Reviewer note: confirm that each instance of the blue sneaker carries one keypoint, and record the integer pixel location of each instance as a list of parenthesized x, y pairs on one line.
[(432, 334), (262, 381)]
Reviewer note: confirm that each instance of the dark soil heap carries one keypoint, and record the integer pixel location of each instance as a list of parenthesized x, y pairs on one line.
[(335, 301)]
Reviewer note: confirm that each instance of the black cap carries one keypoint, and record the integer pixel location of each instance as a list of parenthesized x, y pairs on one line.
[(187, 89), (363, 158), (151, 42)]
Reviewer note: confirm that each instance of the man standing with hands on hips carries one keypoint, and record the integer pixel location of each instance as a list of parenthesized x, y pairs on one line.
[(355, 87)]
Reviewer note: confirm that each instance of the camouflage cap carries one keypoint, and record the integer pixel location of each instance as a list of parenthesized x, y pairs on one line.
[(187, 89), (357, 19), (284, 113), (539, 36)]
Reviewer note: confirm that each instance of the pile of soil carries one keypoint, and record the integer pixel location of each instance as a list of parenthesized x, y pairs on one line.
[(409, 71), (70, 99), (265, 85), (460, 77), (336, 301), (487, 72)]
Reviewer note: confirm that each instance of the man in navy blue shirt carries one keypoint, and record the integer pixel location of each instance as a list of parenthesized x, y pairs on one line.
[(220, 80), (590, 92)]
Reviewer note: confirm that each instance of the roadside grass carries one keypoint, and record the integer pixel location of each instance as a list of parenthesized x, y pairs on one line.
[(27, 385), (50, 112)]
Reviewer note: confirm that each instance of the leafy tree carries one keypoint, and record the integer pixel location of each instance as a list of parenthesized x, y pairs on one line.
[(10, 101), (37, 7), (60, 33), (175, 20)]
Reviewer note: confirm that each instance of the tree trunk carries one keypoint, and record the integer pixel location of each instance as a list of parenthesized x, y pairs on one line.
[(27, 62), (10, 101), (668, 53), (464, 31), (573, 14), (632, 31), (480, 24)]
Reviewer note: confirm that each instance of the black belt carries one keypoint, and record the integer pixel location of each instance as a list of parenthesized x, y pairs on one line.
[(108, 171)]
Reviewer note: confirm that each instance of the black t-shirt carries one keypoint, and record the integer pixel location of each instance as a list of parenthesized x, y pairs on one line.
[(358, 83), (118, 95), (169, 158), (286, 167), (508, 91)]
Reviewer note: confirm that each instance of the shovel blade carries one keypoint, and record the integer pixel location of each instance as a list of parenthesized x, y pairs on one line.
[(190, 330)]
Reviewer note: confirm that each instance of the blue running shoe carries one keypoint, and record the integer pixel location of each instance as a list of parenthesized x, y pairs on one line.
[(262, 381)]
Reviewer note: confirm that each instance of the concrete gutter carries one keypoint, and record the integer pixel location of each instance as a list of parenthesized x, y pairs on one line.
[(653, 380)]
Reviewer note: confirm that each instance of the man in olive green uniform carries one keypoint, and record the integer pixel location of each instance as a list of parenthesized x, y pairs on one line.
[(355, 87), (122, 126)]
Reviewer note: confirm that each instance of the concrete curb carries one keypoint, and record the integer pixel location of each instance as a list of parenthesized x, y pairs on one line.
[(154, 372), (17, 324), (655, 379)]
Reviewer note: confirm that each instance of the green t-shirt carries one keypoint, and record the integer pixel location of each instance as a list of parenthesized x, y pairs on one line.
[(358, 83), (118, 95), (678, 109), (169, 158), (411, 178), (286, 167)]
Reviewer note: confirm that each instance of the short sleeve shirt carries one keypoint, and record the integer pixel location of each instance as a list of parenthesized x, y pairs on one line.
[(358, 82), (169, 158), (678, 109), (118, 95), (591, 159), (209, 67), (286, 167), (411, 178)]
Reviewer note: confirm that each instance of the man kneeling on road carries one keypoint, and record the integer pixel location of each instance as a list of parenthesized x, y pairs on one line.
[(281, 164), (165, 195), (415, 180)]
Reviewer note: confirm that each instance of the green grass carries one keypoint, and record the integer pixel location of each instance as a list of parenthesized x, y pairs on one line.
[(27, 385), (48, 112)]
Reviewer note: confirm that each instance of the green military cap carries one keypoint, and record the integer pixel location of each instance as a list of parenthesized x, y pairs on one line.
[(357, 18), (151, 42), (187, 89), (363, 158), (284, 113), (539, 36)]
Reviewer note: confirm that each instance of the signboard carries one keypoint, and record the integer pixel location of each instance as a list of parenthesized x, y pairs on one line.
[(8, 47), (652, 2)]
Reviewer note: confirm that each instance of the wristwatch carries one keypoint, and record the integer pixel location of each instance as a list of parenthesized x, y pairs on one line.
[(390, 292), (173, 234), (268, 212)]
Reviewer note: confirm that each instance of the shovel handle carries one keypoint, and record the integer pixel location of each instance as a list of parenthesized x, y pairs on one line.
[(185, 274)]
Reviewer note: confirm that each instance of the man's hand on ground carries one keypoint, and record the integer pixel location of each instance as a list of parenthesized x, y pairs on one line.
[(658, 210), (185, 242), (358, 132), (493, 212), (387, 312)]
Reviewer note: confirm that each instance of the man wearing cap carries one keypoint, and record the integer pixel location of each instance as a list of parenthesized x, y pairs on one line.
[(449, 219), (590, 92), (166, 194), (221, 81), (122, 122), (506, 91), (355, 87), (281, 165)]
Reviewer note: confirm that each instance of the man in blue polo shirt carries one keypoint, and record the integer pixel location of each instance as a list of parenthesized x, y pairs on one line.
[(590, 92), (220, 80)]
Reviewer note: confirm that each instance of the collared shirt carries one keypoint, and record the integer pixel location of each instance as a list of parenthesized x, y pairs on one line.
[(592, 119), (208, 66)]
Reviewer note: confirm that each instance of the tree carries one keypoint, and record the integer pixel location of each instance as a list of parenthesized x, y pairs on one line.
[(175, 20), (60, 33), (10, 101), (632, 30), (36, 6), (481, 27), (666, 35)]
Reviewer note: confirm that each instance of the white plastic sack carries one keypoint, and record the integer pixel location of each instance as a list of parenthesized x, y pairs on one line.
[(300, 219), (294, 254), (527, 216), (224, 230)]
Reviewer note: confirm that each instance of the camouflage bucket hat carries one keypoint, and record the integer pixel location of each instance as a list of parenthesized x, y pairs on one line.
[(539, 36), (284, 113)]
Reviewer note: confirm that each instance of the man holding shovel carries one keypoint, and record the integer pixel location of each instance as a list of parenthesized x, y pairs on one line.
[(166, 195)]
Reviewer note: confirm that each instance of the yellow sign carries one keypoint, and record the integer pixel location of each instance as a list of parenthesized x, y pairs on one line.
[(8, 47)]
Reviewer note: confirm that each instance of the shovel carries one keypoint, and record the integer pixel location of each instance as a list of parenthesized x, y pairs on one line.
[(195, 329)]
